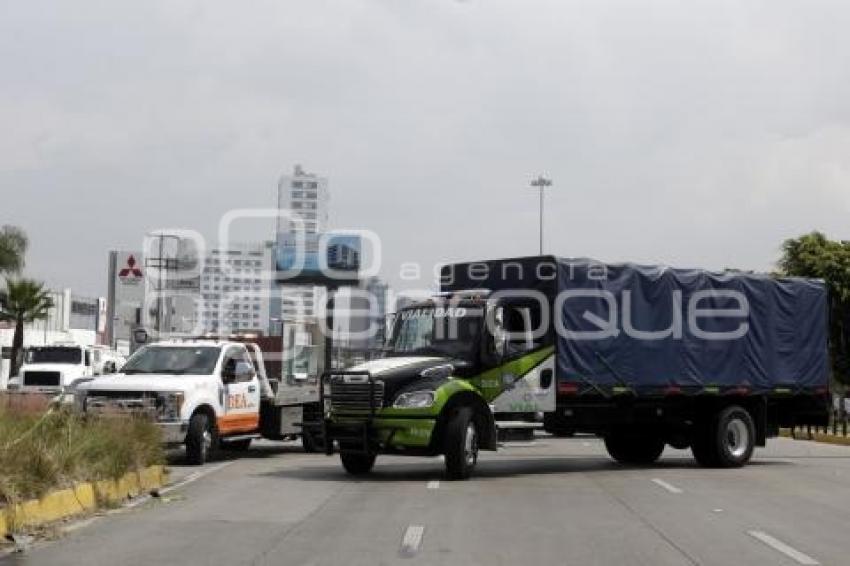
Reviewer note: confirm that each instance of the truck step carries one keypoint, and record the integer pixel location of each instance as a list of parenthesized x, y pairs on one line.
[(235, 437), (516, 430), (518, 425)]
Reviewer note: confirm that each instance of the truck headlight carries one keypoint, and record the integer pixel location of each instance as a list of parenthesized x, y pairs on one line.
[(171, 404), (414, 400)]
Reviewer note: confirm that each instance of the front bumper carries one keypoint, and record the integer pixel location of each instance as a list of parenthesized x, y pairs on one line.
[(173, 432), (392, 435), (357, 420)]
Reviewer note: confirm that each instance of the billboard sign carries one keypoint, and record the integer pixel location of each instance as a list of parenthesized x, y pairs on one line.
[(318, 259)]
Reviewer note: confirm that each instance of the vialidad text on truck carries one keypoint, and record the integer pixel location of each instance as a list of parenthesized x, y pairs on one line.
[(643, 356)]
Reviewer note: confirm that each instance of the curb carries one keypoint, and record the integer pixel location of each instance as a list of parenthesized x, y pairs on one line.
[(80, 499), (819, 437)]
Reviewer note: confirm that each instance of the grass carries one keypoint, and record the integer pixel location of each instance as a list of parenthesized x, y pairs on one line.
[(44, 449)]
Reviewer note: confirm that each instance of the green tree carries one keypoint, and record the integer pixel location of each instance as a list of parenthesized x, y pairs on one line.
[(814, 255), (25, 301), (13, 246)]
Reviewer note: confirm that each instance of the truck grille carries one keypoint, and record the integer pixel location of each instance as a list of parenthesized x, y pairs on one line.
[(355, 397), (122, 402), (42, 378)]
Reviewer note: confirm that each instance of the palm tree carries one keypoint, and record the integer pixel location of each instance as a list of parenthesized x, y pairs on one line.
[(25, 301), (13, 245)]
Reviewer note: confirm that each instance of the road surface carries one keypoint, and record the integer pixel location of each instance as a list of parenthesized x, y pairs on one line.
[(554, 501)]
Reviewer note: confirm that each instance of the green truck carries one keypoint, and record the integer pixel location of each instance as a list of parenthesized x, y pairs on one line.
[(642, 356)]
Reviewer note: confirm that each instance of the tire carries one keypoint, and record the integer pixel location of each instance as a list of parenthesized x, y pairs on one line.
[(461, 444), (201, 440), (237, 445), (701, 446), (634, 448), (357, 464), (727, 440)]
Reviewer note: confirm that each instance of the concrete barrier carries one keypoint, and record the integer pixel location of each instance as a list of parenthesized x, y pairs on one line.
[(78, 500)]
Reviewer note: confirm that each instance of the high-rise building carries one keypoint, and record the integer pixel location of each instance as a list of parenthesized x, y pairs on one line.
[(304, 196)]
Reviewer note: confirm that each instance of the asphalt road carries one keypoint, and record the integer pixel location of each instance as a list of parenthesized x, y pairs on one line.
[(555, 501)]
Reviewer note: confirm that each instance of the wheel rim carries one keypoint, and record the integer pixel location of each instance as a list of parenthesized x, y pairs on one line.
[(470, 449), (737, 438)]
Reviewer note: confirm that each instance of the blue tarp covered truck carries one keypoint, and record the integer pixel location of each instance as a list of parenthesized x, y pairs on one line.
[(644, 356)]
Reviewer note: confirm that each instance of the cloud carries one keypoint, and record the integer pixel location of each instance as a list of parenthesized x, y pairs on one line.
[(693, 133)]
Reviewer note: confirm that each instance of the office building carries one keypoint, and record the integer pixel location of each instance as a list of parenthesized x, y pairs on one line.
[(235, 289)]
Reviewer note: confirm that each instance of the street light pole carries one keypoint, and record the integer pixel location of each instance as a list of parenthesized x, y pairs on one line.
[(541, 183)]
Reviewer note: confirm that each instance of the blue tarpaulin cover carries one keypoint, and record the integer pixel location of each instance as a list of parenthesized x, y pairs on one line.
[(647, 327)]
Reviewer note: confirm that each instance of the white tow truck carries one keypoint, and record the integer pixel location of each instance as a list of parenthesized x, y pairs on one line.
[(205, 394), (59, 368)]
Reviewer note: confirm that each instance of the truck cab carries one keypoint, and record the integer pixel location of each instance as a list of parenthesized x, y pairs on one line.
[(200, 393), (203, 394), (453, 366), (60, 367)]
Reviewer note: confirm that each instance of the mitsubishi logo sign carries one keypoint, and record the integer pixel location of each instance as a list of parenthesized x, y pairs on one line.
[(131, 273)]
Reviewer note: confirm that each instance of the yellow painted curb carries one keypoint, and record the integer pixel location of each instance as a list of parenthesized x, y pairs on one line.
[(818, 437), (82, 498)]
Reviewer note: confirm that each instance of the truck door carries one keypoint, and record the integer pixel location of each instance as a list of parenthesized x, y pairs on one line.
[(527, 379), (241, 394)]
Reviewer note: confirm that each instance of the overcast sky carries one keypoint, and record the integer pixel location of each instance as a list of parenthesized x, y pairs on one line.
[(688, 133)]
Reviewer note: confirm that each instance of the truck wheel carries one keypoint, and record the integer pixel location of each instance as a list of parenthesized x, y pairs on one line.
[(237, 445), (634, 449), (201, 440), (728, 441), (461, 444), (357, 464)]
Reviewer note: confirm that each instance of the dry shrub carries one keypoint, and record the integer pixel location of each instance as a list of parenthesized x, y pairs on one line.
[(58, 447)]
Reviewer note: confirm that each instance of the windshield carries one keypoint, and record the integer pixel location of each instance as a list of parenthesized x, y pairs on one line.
[(54, 355), (176, 360), (442, 331)]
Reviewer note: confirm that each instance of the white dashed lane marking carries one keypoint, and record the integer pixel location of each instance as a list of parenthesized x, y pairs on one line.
[(411, 540), (667, 486), (434, 484), (780, 546)]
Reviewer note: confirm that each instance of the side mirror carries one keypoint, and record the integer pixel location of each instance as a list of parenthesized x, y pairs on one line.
[(236, 370), (228, 372), (500, 344), (244, 370), (500, 337)]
